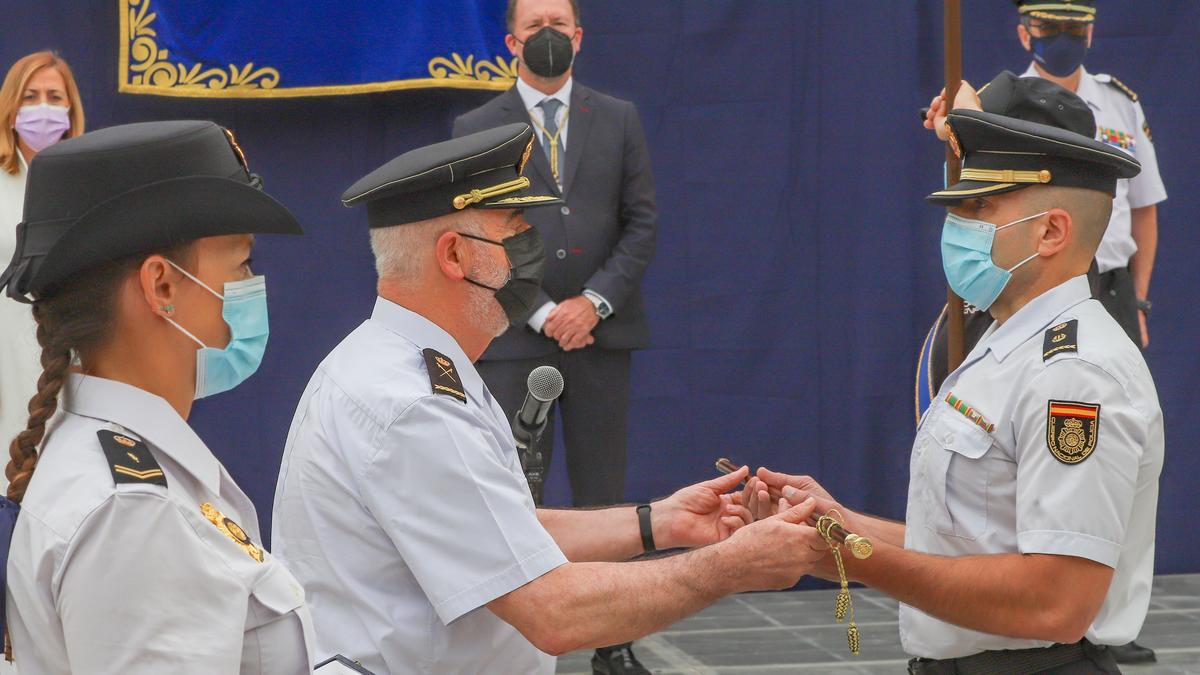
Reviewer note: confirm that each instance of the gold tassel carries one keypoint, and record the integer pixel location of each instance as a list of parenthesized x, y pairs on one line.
[(843, 605)]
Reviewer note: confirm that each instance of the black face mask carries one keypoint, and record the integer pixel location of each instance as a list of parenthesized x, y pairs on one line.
[(527, 261), (548, 53)]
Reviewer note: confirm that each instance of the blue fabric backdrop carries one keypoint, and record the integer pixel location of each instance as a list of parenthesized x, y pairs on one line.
[(797, 267)]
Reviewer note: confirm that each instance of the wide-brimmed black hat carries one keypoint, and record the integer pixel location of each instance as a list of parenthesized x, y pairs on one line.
[(480, 171), (1058, 10), (130, 189), (1001, 154)]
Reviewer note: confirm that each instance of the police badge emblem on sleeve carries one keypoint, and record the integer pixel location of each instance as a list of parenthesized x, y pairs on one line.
[(1071, 430)]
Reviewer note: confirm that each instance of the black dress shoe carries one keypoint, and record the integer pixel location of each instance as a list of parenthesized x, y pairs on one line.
[(618, 660), (1133, 653)]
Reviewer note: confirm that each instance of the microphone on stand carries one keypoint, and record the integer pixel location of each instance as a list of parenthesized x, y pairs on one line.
[(545, 384)]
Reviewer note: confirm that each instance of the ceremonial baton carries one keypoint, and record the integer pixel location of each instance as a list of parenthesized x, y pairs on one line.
[(860, 547)]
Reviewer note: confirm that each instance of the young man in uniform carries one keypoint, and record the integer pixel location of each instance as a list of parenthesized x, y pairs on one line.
[(1028, 543)]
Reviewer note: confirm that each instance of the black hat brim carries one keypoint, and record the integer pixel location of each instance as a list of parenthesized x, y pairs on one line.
[(1075, 160), (970, 189), (159, 216)]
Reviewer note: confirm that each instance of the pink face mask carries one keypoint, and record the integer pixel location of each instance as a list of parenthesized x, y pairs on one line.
[(42, 125)]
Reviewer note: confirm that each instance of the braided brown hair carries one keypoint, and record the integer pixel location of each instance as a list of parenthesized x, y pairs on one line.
[(73, 318)]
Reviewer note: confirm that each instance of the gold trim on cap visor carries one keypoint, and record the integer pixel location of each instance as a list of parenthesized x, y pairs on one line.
[(1051, 16), (1006, 175), (476, 196), (1059, 6)]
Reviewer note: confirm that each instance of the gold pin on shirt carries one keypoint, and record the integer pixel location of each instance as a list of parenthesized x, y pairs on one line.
[(231, 530)]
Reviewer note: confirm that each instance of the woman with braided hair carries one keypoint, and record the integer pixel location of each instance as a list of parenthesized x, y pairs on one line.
[(134, 551)]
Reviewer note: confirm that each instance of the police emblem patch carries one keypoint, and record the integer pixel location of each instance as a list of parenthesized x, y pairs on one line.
[(1071, 430)]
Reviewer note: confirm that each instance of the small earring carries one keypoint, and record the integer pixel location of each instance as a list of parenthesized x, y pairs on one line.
[(168, 309)]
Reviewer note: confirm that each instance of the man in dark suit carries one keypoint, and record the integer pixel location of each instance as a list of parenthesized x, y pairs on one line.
[(590, 316)]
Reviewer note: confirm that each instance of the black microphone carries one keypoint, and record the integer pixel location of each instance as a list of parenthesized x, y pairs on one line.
[(545, 384)]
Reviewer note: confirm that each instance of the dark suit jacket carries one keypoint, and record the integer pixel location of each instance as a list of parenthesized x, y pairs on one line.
[(603, 237)]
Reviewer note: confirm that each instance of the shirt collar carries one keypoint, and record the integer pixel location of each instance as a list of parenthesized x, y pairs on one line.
[(1089, 90), (147, 416), (1037, 315), (531, 97), (426, 334)]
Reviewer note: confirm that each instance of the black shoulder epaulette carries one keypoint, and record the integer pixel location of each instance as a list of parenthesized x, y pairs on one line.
[(130, 460), (1061, 338), (442, 376), (1114, 82)]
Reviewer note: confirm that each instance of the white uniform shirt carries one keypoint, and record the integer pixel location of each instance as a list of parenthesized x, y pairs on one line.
[(403, 512), (20, 355), (133, 578), (985, 481), (1121, 123)]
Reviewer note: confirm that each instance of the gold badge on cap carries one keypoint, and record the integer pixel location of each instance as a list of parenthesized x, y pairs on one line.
[(953, 140), (525, 157), (231, 530)]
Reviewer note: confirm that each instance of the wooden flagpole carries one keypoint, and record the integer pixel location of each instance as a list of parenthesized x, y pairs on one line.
[(952, 28)]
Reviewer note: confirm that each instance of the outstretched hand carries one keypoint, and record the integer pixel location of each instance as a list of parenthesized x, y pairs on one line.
[(700, 514)]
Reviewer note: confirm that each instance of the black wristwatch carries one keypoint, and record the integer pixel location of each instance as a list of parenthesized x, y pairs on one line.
[(1144, 306)]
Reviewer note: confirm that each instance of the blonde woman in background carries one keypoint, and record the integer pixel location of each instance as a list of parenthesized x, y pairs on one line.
[(39, 105)]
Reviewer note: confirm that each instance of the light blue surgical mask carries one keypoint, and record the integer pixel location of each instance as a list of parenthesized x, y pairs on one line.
[(967, 259), (244, 308)]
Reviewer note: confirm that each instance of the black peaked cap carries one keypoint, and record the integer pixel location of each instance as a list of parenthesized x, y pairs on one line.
[(1001, 154), (482, 171)]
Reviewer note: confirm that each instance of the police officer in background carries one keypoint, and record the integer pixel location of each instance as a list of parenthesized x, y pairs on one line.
[(1028, 543), (401, 502), (135, 551), (1058, 33)]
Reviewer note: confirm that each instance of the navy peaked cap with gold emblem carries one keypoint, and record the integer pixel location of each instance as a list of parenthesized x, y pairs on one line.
[(1001, 154), (480, 171), (131, 189), (1058, 10)]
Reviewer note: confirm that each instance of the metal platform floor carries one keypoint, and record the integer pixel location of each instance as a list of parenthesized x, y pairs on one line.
[(774, 633)]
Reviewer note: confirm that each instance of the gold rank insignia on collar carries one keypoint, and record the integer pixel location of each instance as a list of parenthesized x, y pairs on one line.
[(130, 460), (1071, 430), (442, 376), (232, 530)]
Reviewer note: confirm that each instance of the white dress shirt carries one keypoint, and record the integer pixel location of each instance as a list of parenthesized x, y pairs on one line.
[(404, 511), (20, 355), (532, 97), (133, 577), (1121, 123), (984, 478)]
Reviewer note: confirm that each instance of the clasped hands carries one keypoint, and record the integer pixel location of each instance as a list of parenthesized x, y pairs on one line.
[(766, 523), (571, 323)]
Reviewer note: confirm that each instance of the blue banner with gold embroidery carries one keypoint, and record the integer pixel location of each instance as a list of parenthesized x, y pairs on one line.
[(269, 48)]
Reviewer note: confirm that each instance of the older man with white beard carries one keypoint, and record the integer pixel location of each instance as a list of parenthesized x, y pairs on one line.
[(401, 504)]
